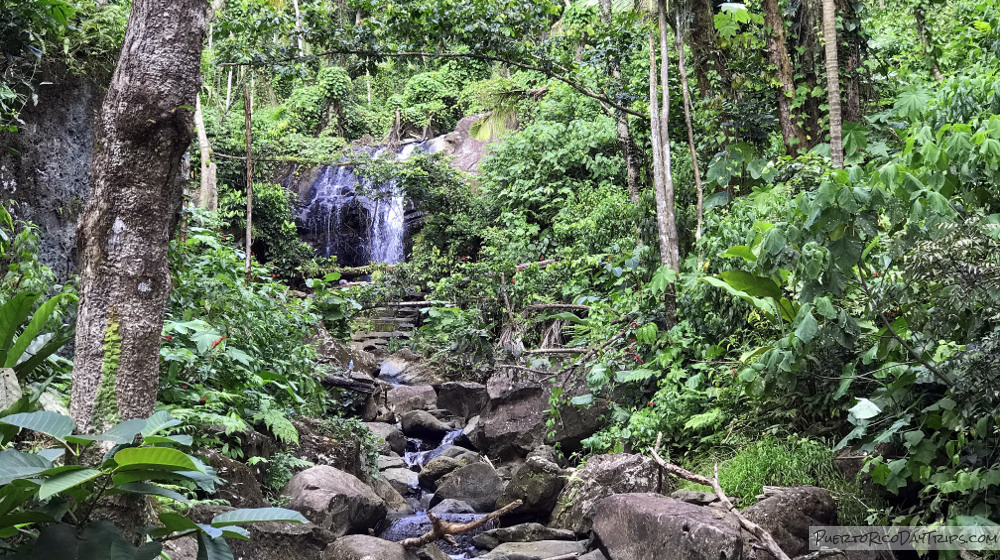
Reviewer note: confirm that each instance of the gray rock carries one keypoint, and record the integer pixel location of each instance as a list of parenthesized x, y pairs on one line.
[(421, 424), (435, 469), (594, 555), (461, 144), (396, 505), (600, 477), (10, 389), (335, 500), (462, 454), (465, 438), (476, 484), (537, 483), (788, 515), (405, 398), (390, 462), (524, 532), (464, 399), (695, 497), (394, 440), (403, 480), (452, 506), (538, 550), (364, 547), (269, 540), (335, 352), (432, 552), (546, 452), (654, 527), (406, 368), (240, 487), (576, 423), (512, 424)]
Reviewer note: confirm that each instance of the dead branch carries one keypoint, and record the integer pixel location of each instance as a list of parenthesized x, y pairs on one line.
[(762, 534), (441, 529), (543, 306), (557, 351)]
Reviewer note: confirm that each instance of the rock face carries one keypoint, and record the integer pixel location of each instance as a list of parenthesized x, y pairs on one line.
[(577, 423), (406, 368), (423, 424), (335, 500), (395, 441), (476, 484), (364, 547), (654, 527), (461, 144), (788, 515), (462, 398), (512, 424), (435, 469), (538, 550), (405, 398), (333, 351), (600, 477), (452, 506), (317, 447), (524, 532), (394, 501), (537, 483), (402, 480), (241, 488)]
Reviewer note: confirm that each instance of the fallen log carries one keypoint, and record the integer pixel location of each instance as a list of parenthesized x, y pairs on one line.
[(756, 530), (441, 529), (351, 384)]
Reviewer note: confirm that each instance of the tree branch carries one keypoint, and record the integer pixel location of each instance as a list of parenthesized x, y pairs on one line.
[(441, 529)]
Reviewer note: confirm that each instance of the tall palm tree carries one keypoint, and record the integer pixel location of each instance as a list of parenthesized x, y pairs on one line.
[(833, 82)]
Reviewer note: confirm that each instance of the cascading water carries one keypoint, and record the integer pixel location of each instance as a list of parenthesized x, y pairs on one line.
[(357, 222)]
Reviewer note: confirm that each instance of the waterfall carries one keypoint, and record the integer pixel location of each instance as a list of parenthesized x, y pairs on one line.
[(341, 219)]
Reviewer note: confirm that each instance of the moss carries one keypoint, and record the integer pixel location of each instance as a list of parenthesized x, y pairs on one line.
[(106, 400)]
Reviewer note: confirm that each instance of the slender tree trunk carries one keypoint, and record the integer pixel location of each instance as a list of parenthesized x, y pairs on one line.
[(658, 176), (298, 27), (687, 121), (925, 43), (208, 197), (625, 142), (833, 82), (135, 195), (246, 113), (777, 49), (673, 247)]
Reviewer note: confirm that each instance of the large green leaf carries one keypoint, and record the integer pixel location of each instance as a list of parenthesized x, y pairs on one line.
[(741, 251), (119, 433), (34, 327), (149, 489), (14, 465), (756, 286), (158, 458), (12, 314), (159, 421), (213, 548), (36, 359), (65, 480), (257, 515), (807, 329), (46, 422)]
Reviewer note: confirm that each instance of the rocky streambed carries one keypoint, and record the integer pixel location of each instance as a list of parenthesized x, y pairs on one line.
[(460, 450)]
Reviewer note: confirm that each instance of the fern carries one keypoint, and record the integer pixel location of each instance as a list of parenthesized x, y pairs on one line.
[(277, 423)]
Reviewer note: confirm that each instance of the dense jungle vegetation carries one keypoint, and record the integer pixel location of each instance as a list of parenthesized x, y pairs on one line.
[(788, 266)]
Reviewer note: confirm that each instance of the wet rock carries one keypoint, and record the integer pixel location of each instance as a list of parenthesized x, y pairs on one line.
[(537, 483), (406, 368), (462, 454), (654, 527), (788, 515), (465, 438), (335, 500), (420, 424), (464, 399), (452, 506), (364, 547), (461, 144), (435, 469), (416, 525), (512, 424), (395, 503), (577, 423), (405, 398), (524, 532), (600, 477), (538, 550), (390, 462), (10, 389), (476, 484), (240, 488), (394, 440), (403, 480)]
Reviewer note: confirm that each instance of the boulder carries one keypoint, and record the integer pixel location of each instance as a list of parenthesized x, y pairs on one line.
[(512, 424), (594, 555), (788, 514), (333, 351), (537, 550), (655, 527), (390, 462), (396, 505), (406, 368), (432, 552), (342, 451), (465, 438), (576, 423), (600, 477), (364, 547), (695, 497), (393, 440), (463, 455), (435, 469), (476, 484), (546, 452), (464, 399), (10, 389), (240, 487), (402, 480), (421, 424), (452, 506), (537, 483), (269, 540), (524, 532), (335, 500), (461, 144), (405, 398)]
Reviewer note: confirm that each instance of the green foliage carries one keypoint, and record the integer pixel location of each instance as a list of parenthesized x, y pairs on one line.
[(281, 467)]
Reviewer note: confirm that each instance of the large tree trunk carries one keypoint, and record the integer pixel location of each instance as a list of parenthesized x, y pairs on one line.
[(925, 44), (777, 50), (833, 82), (687, 121), (705, 48), (136, 192), (852, 40), (625, 143)]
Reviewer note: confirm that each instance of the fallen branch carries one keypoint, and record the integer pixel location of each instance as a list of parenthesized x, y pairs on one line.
[(761, 533), (557, 351), (441, 529)]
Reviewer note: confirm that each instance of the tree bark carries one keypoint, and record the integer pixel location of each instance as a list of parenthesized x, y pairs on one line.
[(925, 43), (687, 121), (833, 82), (247, 113), (135, 195), (208, 194), (777, 50), (625, 143), (670, 224), (705, 47)]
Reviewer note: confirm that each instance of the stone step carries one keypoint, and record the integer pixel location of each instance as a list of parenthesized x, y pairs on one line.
[(368, 336)]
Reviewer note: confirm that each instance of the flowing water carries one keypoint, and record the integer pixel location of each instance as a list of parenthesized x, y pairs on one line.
[(358, 222)]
